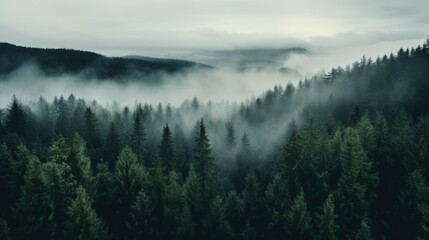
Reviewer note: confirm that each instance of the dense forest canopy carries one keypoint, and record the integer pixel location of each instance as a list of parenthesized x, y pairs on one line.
[(342, 155)]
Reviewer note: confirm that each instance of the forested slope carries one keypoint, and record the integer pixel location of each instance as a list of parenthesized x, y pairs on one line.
[(343, 155)]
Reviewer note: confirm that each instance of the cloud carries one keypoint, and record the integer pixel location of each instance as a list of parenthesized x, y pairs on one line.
[(195, 24)]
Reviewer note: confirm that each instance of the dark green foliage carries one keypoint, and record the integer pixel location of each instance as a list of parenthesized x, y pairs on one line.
[(66, 61), (4, 230), (414, 208), (327, 226), (113, 146), (83, 222), (138, 135), (166, 149), (138, 224), (6, 179), (129, 179), (353, 166), (230, 136), (204, 166), (298, 220), (16, 122)]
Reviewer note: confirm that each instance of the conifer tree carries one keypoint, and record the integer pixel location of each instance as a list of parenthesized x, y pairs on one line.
[(18, 168), (6, 200), (60, 186), (140, 215), (83, 222), (129, 178), (298, 220), (31, 207), (327, 227), (91, 131), (204, 166), (16, 121), (138, 136), (166, 150), (113, 146), (414, 208), (157, 198), (230, 136)]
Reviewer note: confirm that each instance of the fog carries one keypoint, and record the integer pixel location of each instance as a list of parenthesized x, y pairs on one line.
[(225, 83), (207, 85)]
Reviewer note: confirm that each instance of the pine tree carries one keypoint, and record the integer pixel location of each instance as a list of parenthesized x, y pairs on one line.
[(16, 121), (78, 161), (192, 196), (253, 204), (113, 146), (277, 200), (140, 214), (292, 165), (62, 111), (18, 168), (186, 226), (6, 200), (327, 228), (366, 134), (91, 131), (83, 222), (234, 212), (230, 136), (356, 185), (298, 220), (204, 166), (138, 136), (413, 207), (129, 178), (31, 208), (60, 186), (166, 149), (157, 197)]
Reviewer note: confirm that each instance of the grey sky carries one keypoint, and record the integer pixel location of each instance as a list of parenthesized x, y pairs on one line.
[(135, 25)]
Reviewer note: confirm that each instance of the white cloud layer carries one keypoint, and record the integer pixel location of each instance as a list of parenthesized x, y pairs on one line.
[(113, 25)]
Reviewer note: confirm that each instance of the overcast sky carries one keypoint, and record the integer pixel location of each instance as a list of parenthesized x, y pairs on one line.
[(134, 25)]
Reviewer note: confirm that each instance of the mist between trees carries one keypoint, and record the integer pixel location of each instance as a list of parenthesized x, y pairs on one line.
[(341, 155)]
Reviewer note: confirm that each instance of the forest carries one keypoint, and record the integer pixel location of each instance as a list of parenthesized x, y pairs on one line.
[(341, 155)]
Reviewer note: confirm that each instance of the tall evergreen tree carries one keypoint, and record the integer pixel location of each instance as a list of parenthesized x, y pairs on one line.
[(166, 149), (31, 208), (6, 178), (59, 191), (16, 121), (140, 215), (327, 226), (298, 220), (138, 136), (230, 136), (204, 166), (83, 222), (413, 205), (113, 146), (157, 197), (129, 178)]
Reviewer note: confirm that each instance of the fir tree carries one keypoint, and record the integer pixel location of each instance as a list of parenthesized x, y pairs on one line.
[(166, 149), (83, 222), (298, 220), (138, 136), (327, 227)]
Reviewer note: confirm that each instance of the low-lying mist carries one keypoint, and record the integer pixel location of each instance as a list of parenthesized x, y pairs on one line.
[(207, 85)]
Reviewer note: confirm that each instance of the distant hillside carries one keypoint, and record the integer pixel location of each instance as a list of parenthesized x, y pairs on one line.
[(67, 61), (247, 59)]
